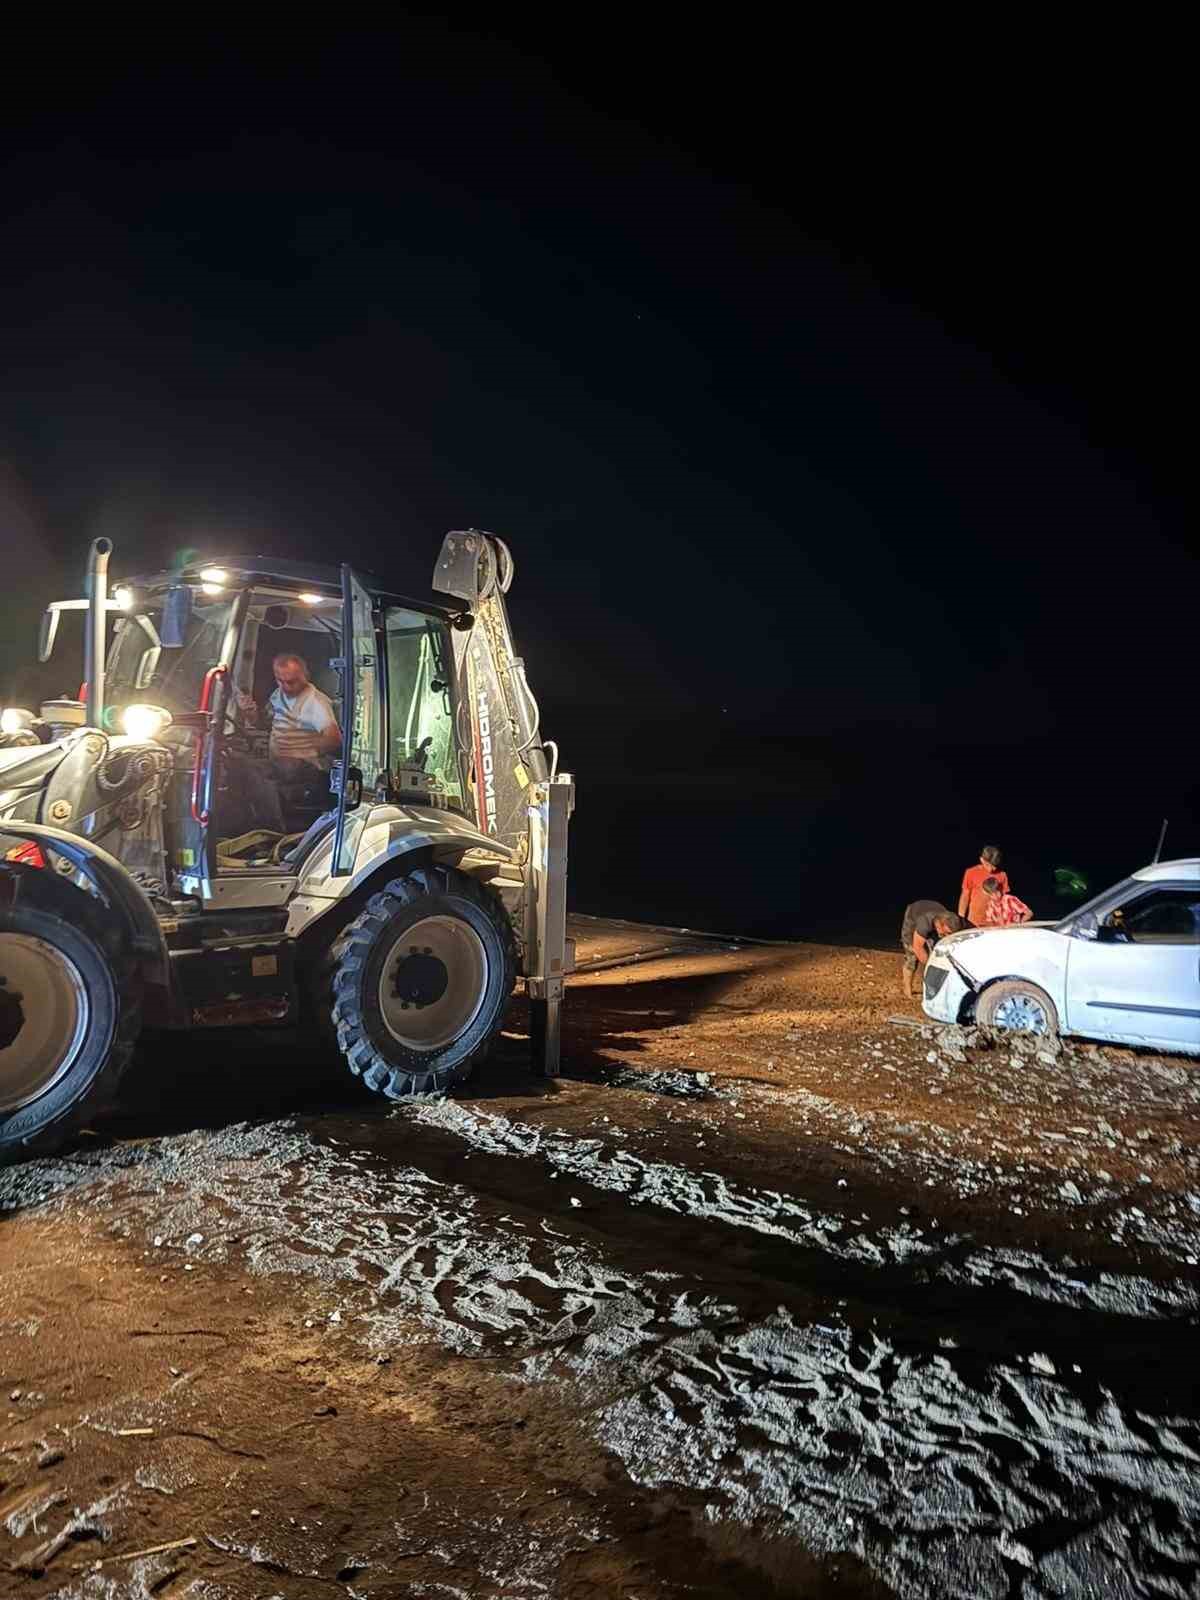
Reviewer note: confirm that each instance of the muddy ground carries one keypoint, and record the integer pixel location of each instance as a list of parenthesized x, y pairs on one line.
[(766, 1295)]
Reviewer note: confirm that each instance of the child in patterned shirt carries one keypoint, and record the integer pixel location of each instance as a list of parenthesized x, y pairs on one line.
[(1003, 908)]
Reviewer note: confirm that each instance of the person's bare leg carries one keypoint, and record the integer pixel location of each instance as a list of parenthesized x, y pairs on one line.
[(907, 980)]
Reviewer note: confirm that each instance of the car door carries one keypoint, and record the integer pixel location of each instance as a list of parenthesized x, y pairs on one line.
[(362, 718), (1139, 979)]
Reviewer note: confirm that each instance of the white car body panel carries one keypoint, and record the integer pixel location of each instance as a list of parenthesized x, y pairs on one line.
[(1139, 993), (1135, 993)]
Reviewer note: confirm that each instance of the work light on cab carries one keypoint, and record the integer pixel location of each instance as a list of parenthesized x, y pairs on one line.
[(15, 719), (145, 722)]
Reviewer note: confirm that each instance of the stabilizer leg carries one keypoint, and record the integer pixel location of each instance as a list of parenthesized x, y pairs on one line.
[(545, 1030), (549, 953)]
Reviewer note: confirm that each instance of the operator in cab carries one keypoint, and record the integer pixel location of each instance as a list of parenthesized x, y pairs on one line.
[(303, 744), (304, 728)]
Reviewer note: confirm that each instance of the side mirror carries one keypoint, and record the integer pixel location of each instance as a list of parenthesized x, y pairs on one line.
[(147, 667), (47, 633)]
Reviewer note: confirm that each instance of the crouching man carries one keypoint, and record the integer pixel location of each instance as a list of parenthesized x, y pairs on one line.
[(925, 922)]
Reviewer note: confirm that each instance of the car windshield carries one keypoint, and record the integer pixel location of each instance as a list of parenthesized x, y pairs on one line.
[(141, 667), (1088, 914)]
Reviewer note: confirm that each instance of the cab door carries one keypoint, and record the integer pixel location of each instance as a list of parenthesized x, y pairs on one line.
[(359, 770)]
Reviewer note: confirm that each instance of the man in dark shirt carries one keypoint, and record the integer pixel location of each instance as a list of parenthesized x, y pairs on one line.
[(925, 922)]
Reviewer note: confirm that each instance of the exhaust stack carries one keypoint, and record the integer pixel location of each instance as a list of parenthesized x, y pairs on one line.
[(96, 590)]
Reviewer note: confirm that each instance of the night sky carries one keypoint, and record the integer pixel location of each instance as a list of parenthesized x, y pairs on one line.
[(835, 412)]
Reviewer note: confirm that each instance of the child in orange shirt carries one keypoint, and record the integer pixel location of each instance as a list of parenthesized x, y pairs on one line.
[(972, 902)]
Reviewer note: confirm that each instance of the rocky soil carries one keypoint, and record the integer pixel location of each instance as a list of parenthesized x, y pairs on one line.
[(776, 1291)]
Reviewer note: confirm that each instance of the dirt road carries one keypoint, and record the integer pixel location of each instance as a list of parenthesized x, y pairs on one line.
[(767, 1295)]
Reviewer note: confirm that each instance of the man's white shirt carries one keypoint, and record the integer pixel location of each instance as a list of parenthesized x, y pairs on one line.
[(297, 721)]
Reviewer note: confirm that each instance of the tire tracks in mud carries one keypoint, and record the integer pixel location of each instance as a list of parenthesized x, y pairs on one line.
[(997, 1323), (788, 1395), (1009, 1307)]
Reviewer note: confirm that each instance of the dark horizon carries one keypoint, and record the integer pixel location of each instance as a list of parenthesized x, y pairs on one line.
[(823, 420)]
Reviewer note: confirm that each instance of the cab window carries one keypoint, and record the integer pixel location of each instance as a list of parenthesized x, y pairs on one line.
[(420, 708), (279, 624), (140, 667)]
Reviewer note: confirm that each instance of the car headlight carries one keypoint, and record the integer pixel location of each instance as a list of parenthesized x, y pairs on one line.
[(145, 722), (15, 719)]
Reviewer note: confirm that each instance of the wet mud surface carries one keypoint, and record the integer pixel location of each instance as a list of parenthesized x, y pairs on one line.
[(767, 1295)]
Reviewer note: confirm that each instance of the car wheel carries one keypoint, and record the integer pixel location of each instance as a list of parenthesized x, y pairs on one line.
[(1017, 1006)]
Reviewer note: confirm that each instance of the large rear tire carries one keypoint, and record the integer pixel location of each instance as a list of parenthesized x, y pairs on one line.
[(420, 981), (68, 1023)]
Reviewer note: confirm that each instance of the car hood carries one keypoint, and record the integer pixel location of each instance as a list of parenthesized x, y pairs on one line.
[(965, 936), (1024, 950), (1012, 927)]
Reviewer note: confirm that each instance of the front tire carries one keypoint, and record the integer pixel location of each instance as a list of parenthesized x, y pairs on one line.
[(420, 982), (68, 1023), (1017, 1006)]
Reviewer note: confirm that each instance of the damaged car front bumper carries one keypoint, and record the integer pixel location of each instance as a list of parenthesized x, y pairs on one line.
[(946, 989)]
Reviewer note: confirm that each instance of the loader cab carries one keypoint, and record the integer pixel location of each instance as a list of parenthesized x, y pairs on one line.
[(242, 815)]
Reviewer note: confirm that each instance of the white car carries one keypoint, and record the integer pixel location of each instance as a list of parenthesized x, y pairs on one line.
[(1125, 967)]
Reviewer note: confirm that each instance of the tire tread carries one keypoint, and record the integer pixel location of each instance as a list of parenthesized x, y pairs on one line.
[(345, 967), (102, 1092)]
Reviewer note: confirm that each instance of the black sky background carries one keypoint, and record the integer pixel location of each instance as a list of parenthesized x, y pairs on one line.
[(838, 414)]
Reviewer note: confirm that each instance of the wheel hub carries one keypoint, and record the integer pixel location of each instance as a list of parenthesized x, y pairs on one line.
[(44, 1017), (1020, 1013), (433, 983), (420, 979)]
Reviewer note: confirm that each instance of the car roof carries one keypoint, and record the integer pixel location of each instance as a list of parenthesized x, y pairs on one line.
[(1187, 868)]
